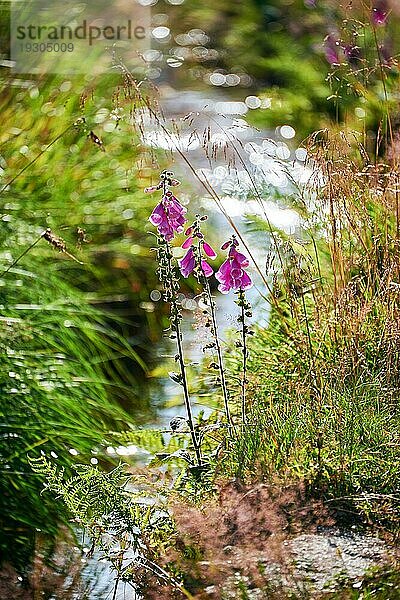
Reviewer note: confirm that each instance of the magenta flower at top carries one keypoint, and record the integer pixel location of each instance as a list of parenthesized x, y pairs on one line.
[(232, 274), (331, 45), (380, 12), (188, 263), (168, 216)]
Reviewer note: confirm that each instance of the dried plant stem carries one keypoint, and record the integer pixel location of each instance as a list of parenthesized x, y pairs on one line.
[(55, 241), (309, 342), (16, 261), (397, 196), (383, 80), (58, 243), (162, 573)]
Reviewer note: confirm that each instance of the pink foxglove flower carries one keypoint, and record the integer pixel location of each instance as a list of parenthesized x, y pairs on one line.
[(332, 47), (232, 274), (380, 12), (209, 251), (206, 268), (168, 216), (188, 263)]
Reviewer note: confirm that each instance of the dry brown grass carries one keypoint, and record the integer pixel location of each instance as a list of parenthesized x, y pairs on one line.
[(242, 526)]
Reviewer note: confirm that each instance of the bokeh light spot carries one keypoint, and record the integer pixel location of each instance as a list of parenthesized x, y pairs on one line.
[(287, 132), (253, 102)]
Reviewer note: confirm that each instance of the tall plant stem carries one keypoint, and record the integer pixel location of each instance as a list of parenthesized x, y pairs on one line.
[(175, 323), (186, 396), (219, 353), (383, 80), (116, 588), (16, 261), (242, 300)]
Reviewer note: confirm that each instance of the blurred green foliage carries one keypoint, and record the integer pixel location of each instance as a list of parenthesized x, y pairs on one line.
[(73, 335), (54, 396), (282, 47)]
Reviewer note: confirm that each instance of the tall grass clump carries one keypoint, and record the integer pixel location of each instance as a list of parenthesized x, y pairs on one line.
[(55, 398), (324, 374), (69, 293), (70, 162)]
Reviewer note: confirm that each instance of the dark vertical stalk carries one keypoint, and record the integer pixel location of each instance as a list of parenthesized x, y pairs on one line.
[(397, 181), (383, 79), (171, 286), (11, 181), (310, 348), (219, 353), (22, 255), (242, 320), (334, 248), (115, 588), (189, 413)]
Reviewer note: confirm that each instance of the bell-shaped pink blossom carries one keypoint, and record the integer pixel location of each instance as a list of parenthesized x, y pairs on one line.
[(187, 243), (168, 216), (187, 263), (206, 268), (209, 251), (231, 274)]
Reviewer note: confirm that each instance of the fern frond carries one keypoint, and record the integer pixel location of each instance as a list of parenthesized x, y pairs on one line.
[(123, 525)]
